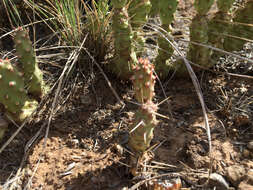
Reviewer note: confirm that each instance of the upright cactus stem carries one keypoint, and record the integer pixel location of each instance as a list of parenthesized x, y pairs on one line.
[(33, 76), (13, 95), (199, 33), (141, 131), (218, 27), (203, 6), (138, 11), (143, 81), (167, 8), (241, 28), (124, 50)]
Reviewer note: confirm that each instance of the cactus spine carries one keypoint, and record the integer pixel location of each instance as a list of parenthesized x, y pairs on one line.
[(122, 31), (33, 76), (167, 9), (141, 132), (13, 95)]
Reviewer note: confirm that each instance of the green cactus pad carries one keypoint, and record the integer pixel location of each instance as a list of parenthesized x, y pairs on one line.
[(13, 95), (32, 74), (141, 132), (241, 29), (124, 55), (224, 5), (154, 8), (199, 33), (138, 11), (143, 81), (167, 8), (203, 6)]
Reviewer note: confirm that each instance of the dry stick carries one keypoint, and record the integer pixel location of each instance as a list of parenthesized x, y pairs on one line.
[(73, 58), (216, 49), (152, 178)]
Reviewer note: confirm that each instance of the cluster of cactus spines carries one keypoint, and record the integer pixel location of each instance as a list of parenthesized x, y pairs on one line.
[(241, 28), (33, 76), (166, 10), (122, 31), (141, 132), (138, 11), (13, 94)]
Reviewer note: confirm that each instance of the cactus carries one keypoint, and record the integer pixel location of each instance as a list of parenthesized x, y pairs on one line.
[(154, 8), (240, 29), (203, 6), (138, 11), (218, 27), (33, 76), (122, 31), (198, 33), (13, 95), (141, 132), (167, 9)]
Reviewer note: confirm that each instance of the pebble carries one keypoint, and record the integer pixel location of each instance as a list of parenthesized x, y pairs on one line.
[(246, 153), (250, 145), (244, 186), (235, 174)]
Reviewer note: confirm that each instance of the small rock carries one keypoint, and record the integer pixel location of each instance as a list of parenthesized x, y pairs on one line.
[(235, 174), (217, 181), (244, 186), (246, 153), (250, 145), (249, 177)]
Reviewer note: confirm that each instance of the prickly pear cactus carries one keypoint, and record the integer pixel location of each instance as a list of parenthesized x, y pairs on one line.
[(138, 11), (218, 27), (199, 33), (143, 81), (167, 9), (13, 95), (203, 6), (33, 76), (154, 8), (241, 28), (224, 5), (141, 131), (122, 32)]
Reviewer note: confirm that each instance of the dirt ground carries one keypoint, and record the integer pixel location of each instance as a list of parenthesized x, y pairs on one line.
[(86, 147)]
